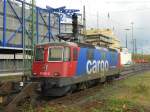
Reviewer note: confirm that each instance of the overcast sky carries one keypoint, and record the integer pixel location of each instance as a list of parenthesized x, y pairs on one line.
[(122, 13)]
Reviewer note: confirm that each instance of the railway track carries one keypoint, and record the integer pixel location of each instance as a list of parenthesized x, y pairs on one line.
[(74, 99), (11, 94)]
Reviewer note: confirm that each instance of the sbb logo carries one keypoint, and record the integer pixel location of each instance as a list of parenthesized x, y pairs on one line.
[(96, 66)]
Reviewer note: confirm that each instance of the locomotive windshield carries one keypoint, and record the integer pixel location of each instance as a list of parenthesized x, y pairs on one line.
[(55, 54), (39, 54), (59, 54)]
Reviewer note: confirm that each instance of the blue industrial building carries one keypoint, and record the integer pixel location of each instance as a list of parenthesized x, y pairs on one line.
[(16, 27)]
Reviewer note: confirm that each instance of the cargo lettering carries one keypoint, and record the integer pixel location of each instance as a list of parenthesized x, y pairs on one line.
[(96, 66)]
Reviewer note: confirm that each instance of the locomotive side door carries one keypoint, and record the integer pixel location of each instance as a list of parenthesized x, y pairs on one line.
[(74, 58)]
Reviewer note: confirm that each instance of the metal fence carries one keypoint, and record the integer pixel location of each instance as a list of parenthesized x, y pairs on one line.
[(11, 66)]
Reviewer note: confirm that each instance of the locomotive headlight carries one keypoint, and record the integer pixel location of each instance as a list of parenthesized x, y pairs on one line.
[(34, 73), (56, 74)]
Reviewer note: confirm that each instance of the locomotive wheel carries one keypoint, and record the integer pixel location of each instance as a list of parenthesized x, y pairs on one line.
[(83, 85), (103, 80)]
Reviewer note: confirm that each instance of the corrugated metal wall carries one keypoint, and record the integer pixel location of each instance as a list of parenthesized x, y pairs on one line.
[(12, 23)]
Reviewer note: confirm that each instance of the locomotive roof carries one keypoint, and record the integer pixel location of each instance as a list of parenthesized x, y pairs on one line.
[(67, 43), (75, 45), (54, 44)]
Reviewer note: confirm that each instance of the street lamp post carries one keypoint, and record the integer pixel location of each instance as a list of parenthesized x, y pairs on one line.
[(135, 46), (127, 37), (132, 39)]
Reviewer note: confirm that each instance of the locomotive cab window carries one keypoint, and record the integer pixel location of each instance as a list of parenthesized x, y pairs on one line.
[(75, 54), (66, 54), (39, 54), (59, 54), (55, 54)]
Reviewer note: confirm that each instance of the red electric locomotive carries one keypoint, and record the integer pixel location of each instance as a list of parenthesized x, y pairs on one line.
[(63, 67)]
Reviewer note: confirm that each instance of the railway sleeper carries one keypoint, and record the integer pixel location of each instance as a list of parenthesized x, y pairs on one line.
[(8, 91), (28, 91)]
